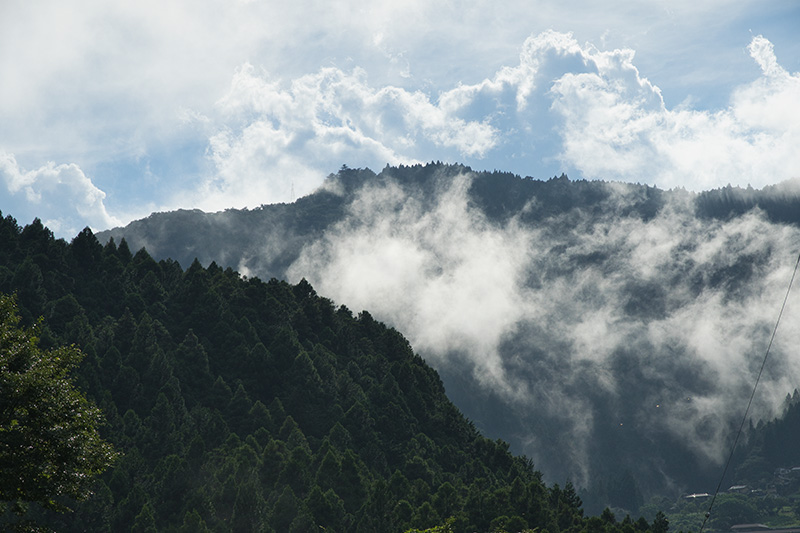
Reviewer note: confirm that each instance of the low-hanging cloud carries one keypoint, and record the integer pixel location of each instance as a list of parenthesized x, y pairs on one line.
[(581, 322), (446, 275)]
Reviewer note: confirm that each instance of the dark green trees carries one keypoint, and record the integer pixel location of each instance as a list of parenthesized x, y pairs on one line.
[(49, 442), (244, 405)]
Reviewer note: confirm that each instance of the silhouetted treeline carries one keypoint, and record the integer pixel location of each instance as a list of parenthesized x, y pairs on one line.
[(780, 203)]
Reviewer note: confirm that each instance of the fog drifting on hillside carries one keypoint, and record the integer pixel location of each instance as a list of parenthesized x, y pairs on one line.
[(597, 323)]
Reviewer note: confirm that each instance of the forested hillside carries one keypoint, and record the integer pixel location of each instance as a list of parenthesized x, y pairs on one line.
[(619, 320), (247, 405)]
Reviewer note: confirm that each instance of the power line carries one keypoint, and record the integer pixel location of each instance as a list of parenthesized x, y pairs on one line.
[(752, 395)]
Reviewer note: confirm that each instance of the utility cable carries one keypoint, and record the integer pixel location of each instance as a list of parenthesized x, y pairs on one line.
[(752, 395)]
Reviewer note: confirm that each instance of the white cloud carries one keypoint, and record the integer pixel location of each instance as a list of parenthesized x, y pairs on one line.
[(764, 53), (612, 123), (276, 133), (109, 85), (617, 127), (771, 104), (556, 316), (67, 196), (446, 275)]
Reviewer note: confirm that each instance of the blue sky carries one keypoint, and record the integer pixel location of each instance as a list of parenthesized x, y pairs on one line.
[(112, 110)]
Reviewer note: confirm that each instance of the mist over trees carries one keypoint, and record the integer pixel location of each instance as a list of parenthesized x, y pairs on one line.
[(246, 405), (606, 330)]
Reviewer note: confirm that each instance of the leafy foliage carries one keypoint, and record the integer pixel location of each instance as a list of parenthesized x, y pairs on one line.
[(50, 447)]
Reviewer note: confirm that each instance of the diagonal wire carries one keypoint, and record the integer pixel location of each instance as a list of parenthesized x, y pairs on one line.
[(752, 395)]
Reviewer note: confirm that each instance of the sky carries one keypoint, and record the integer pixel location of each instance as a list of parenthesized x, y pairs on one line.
[(112, 110)]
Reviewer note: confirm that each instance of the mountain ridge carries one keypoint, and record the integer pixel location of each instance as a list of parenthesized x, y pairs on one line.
[(619, 300), (248, 405)]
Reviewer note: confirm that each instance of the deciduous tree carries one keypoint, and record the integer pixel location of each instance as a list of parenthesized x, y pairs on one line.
[(50, 447)]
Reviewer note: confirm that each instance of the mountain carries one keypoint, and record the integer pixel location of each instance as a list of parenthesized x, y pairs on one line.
[(247, 405), (609, 331), (267, 240)]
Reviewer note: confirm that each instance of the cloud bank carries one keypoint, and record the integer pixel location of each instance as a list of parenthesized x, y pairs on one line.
[(566, 106), (585, 325), (293, 133), (617, 127), (217, 105)]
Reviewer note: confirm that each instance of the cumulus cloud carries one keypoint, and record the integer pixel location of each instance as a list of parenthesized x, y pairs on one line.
[(278, 133), (581, 323), (566, 106), (111, 86), (615, 125), (68, 197), (593, 111), (771, 104)]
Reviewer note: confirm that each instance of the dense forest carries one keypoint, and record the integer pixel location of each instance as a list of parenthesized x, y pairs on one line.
[(625, 316), (238, 404)]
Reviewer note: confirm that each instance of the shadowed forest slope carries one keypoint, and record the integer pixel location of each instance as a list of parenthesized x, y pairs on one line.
[(244, 405), (609, 331)]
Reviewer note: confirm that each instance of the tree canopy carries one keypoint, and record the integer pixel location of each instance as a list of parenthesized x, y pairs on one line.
[(50, 447), (245, 405)]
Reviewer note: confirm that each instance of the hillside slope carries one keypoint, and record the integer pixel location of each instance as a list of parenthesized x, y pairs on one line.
[(243, 405), (605, 330)]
